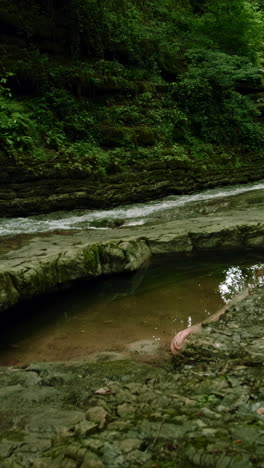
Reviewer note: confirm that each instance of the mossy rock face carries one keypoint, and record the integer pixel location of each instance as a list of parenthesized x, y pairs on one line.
[(88, 260)]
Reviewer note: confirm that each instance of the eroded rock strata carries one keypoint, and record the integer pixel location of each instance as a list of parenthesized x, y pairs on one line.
[(25, 193)]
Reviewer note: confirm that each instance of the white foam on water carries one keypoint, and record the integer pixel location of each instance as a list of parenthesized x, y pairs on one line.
[(134, 223), (130, 215)]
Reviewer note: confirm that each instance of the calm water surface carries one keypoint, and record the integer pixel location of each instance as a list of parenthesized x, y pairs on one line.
[(108, 314)]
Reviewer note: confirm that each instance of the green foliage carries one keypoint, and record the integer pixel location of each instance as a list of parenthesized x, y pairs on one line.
[(16, 129), (59, 113), (94, 84), (235, 27), (85, 157), (209, 95)]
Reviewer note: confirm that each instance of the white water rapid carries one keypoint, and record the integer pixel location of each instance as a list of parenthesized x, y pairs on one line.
[(127, 215)]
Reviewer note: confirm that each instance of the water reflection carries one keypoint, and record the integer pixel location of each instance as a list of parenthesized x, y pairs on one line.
[(238, 278)]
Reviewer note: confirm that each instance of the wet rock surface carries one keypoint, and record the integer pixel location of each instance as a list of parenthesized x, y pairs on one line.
[(39, 267), (33, 265), (203, 409)]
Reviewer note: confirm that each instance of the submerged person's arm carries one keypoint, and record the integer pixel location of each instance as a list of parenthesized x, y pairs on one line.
[(179, 340)]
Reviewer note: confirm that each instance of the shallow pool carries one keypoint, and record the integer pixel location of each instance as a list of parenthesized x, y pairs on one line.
[(107, 314)]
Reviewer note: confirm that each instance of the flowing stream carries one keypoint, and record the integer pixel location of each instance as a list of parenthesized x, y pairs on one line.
[(122, 216)]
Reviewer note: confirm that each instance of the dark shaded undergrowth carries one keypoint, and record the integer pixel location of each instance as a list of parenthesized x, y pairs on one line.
[(102, 87)]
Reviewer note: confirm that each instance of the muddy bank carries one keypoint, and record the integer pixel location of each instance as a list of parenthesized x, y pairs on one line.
[(205, 410), (24, 192)]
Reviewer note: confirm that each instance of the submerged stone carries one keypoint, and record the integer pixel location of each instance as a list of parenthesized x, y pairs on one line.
[(151, 347)]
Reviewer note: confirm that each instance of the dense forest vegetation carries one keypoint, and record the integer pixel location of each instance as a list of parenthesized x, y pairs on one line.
[(104, 85)]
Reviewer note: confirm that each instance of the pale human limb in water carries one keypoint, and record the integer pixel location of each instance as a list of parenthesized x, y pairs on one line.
[(179, 340)]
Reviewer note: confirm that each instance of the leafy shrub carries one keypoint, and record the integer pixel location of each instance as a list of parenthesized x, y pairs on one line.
[(89, 74), (209, 95), (17, 131)]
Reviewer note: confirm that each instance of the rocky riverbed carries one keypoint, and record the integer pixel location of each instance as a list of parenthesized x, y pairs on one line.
[(206, 408)]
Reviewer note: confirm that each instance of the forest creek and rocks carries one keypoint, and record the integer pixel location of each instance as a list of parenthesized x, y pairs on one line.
[(113, 102), (34, 264), (119, 101), (203, 408)]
